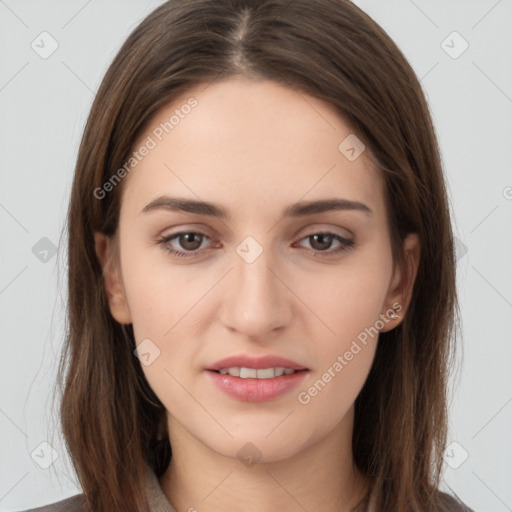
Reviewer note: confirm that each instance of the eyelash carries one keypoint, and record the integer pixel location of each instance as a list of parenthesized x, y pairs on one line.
[(346, 244)]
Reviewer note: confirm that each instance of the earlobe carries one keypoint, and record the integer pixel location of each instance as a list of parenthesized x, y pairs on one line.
[(106, 254), (402, 285)]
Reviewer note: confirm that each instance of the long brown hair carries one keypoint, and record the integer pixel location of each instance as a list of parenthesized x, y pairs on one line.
[(329, 49)]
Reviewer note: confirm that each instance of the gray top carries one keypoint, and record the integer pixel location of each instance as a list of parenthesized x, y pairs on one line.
[(157, 500), (159, 503)]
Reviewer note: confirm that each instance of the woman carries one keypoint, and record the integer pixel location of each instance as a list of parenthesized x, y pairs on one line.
[(261, 270)]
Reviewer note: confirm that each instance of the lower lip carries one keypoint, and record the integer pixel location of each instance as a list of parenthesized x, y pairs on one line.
[(256, 390)]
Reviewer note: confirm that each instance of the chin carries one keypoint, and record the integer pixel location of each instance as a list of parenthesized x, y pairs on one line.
[(257, 446)]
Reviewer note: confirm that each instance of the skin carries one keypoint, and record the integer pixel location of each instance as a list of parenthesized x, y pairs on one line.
[(254, 148)]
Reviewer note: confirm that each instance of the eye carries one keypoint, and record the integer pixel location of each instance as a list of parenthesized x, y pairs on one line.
[(319, 242), (191, 241)]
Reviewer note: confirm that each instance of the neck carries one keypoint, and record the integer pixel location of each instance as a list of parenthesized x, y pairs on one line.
[(320, 477)]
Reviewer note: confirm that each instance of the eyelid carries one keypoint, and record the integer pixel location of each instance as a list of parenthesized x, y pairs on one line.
[(166, 238), (319, 227), (185, 228), (303, 232), (345, 243)]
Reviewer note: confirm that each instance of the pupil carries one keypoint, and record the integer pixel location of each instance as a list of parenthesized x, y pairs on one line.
[(191, 238), (325, 244)]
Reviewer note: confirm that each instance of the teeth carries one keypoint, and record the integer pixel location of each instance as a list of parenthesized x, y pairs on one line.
[(253, 373), (246, 373)]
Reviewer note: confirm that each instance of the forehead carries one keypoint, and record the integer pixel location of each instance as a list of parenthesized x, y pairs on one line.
[(243, 142)]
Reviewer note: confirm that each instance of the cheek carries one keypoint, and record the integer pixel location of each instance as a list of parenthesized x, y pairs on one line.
[(350, 299), (157, 294), (349, 307), (161, 304), (344, 351), (332, 390)]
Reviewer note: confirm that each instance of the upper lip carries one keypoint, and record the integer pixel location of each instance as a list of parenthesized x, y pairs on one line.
[(248, 361)]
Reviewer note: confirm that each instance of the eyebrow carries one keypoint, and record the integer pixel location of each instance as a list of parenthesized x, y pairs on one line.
[(299, 209)]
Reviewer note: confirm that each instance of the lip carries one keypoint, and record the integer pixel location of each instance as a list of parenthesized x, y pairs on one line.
[(258, 363), (255, 390)]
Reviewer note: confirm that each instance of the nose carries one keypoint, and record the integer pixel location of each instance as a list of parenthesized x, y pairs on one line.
[(257, 301)]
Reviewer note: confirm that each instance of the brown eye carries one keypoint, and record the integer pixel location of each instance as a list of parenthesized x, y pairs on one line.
[(190, 241), (322, 242), (187, 243)]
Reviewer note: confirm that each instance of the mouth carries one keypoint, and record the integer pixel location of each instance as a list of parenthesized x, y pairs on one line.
[(250, 378), (256, 384), (257, 373), (252, 366)]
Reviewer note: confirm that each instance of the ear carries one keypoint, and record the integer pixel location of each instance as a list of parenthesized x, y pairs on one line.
[(107, 257), (402, 284)]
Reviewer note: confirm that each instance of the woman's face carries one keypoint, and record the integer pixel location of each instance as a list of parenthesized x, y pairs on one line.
[(266, 271)]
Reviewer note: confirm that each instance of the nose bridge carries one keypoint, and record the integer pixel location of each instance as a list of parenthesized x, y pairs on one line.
[(257, 301)]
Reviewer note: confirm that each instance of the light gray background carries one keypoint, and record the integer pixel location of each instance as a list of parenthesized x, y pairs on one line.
[(43, 108)]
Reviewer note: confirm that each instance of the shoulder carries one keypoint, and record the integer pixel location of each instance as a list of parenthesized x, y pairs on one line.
[(452, 503), (73, 504), (447, 503)]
